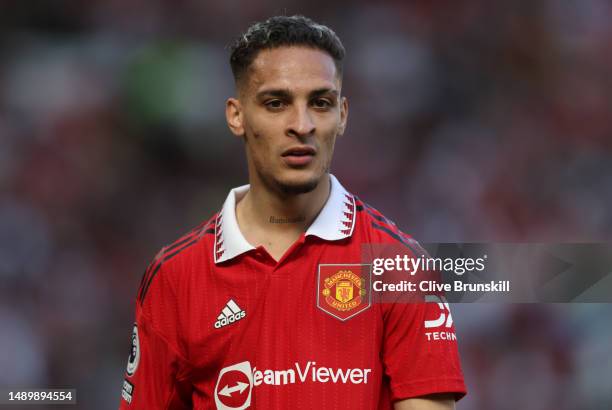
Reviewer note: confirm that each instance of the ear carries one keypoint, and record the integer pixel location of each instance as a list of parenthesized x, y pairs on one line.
[(234, 116), (343, 115)]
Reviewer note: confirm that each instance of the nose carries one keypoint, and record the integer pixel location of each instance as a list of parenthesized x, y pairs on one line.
[(301, 123)]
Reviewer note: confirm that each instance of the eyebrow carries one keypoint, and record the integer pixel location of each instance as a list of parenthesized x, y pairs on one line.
[(285, 93)]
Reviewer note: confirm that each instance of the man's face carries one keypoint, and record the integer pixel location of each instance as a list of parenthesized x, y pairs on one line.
[(289, 112)]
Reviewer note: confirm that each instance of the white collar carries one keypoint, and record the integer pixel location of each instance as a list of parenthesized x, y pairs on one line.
[(335, 221)]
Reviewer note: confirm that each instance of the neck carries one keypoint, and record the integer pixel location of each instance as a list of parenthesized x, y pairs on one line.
[(264, 209)]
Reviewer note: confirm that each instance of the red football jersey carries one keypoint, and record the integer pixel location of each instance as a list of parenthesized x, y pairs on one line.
[(221, 324)]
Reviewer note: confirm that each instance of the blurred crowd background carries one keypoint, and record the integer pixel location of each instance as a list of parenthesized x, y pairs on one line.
[(469, 121)]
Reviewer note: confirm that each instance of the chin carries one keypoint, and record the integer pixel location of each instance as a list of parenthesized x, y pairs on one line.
[(298, 188), (297, 183)]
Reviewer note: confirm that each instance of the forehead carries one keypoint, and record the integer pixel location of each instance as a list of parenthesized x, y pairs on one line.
[(292, 68)]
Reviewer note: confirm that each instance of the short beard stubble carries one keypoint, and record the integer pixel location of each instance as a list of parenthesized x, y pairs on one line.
[(286, 189)]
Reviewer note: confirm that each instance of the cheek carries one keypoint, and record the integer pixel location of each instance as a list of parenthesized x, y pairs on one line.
[(330, 148), (258, 147), (330, 126), (257, 129), (262, 134), (329, 138)]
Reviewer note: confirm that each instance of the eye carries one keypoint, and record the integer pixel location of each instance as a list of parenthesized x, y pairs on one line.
[(274, 104), (322, 103)]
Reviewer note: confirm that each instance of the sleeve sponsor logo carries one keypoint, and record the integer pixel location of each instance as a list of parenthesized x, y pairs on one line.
[(134, 357), (343, 290), (443, 323)]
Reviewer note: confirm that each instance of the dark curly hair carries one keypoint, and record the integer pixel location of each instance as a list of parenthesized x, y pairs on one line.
[(283, 31)]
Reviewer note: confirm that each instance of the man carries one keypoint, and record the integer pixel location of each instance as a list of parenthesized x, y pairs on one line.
[(267, 305)]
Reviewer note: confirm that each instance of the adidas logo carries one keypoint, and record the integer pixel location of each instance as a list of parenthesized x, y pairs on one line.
[(231, 313)]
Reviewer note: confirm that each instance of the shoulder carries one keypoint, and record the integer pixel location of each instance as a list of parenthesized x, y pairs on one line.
[(170, 262), (378, 229)]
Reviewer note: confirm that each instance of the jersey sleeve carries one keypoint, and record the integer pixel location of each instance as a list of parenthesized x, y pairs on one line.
[(156, 375), (420, 354)]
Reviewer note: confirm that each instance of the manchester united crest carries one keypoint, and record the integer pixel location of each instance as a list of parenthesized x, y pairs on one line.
[(343, 289)]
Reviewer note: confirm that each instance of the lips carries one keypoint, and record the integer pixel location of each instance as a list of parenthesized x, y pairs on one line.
[(299, 156), (299, 151)]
